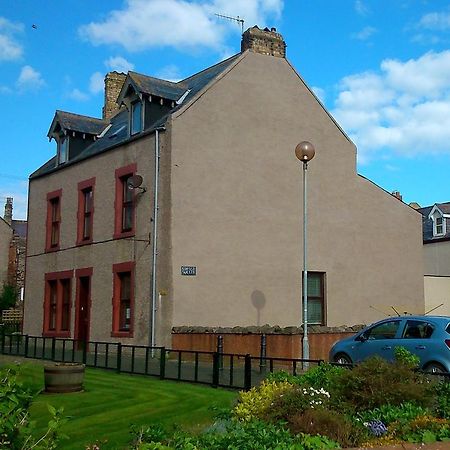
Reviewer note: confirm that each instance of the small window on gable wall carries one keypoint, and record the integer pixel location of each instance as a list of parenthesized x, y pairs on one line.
[(136, 117)]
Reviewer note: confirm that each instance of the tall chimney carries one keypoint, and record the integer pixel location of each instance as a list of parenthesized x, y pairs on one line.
[(8, 210), (397, 195), (266, 42), (113, 85)]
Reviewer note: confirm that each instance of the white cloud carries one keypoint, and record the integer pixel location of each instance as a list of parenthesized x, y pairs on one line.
[(10, 49), (435, 21), (170, 73), (320, 93), (76, 94), (364, 34), (403, 108), (29, 79), (96, 82), (119, 64), (182, 24), (361, 8)]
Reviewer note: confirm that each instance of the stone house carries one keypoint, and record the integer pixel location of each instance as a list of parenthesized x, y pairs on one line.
[(181, 206), (436, 253)]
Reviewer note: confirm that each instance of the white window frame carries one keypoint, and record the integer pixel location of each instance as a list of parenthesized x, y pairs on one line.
[(434, 215), (141, 121), (63, 157)]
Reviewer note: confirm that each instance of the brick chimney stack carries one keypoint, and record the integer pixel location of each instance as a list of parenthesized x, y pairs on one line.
[(113, 85), (266, 42), (397, 194), (8, 210)]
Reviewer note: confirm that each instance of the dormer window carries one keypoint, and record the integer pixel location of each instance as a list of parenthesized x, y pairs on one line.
[(63, 150), (439, 222), (136, 117)]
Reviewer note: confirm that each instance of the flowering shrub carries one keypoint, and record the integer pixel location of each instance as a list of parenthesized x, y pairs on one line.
[(254, 403), (376, 427)]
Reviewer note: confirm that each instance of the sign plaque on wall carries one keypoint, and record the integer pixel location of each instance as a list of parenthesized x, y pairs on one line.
[(189, 270)]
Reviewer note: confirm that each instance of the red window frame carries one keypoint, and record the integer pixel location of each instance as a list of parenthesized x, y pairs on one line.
[(85, 216), (57, 304), (121, 272), (53, 224), (123, 203)]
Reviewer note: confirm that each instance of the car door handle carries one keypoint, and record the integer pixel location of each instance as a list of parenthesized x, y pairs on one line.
[(386, 347), (420, 347)]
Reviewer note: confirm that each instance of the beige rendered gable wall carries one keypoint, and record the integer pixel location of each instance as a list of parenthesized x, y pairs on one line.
[(236, 211)]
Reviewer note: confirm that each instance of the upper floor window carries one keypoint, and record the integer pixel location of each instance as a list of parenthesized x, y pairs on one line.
[(63, 150), (136, 117), (124, 203), (85, 211), (53, 220)]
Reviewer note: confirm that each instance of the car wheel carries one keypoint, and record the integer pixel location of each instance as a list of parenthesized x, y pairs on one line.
[(342, 358), (435, 367)]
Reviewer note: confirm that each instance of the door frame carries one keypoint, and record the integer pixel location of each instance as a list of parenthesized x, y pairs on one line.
[(82, 273)]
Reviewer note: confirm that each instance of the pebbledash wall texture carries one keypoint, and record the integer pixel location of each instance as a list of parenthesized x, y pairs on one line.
[(228, 238)]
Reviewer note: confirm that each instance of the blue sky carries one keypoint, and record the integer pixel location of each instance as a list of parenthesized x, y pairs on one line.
[(381, 67)]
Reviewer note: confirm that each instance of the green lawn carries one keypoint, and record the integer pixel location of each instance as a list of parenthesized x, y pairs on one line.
[(112, 402)]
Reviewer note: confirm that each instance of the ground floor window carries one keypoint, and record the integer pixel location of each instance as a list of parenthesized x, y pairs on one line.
[(316, 298), (123, 299), (57, 304)]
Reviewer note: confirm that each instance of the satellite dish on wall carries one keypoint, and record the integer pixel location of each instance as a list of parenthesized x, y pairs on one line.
[(134, 182)]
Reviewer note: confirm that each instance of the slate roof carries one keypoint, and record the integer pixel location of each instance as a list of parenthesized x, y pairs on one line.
[(76, 122), (19, 227), (427, 224), (118, 133)]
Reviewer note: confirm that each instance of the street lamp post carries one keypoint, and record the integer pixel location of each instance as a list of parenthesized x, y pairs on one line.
[(305, 152)]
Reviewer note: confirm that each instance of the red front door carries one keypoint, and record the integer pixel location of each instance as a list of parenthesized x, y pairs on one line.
[(82, 310)]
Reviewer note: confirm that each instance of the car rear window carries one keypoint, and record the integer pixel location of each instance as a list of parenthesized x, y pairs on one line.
[(448, 329), (418, 329)]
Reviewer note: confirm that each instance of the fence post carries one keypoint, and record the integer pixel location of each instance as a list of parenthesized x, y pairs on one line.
[(263, 353), (53, 348), (119, 357), (162, 363), (216, 368), (27, 343), (3, 340), (84, 354), (248, 372), (220, 350)]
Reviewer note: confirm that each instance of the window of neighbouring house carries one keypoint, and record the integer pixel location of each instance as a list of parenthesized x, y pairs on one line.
[(57, 304), (123, 299), (438, 226), (439, 222), (53, 220), (316, 298), (85, 211), (136, 117), (125, 203)]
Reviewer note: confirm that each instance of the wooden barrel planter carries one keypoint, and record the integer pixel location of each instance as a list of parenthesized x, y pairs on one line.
[(64, 377)]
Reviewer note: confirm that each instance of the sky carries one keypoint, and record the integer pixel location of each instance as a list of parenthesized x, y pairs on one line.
[(381, 67)]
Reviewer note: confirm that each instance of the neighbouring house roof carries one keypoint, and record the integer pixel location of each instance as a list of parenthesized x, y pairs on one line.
[(118, 133), (76, 122), (19, 227), (427, 223)]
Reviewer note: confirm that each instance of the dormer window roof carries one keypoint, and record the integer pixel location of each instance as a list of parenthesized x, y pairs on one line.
[(439, 218)]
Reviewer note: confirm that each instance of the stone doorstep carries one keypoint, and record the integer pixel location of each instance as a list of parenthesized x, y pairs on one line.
[(408, 446)]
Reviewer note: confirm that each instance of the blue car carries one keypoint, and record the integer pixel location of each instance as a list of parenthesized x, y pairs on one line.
[(428, 337)]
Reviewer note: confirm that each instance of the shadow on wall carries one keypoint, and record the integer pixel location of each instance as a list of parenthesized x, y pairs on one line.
[(258, 301)]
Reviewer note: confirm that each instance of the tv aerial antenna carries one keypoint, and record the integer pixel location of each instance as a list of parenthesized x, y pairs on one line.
[(236, 19)]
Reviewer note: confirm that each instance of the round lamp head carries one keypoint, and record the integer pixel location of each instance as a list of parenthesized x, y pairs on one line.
[(305, 151)]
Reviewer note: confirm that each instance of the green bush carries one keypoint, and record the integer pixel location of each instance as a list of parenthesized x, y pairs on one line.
[(424, 429), (8, 296), (322, 376), (376, 382), (254, 403), (253, 435), (388, 414), (405, 357), (15, 427), (442, 395)]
